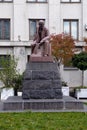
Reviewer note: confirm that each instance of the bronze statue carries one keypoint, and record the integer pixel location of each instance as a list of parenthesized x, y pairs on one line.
[(41, 39)]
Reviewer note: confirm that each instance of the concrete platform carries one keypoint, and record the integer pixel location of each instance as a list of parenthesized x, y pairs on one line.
[(18, 104)]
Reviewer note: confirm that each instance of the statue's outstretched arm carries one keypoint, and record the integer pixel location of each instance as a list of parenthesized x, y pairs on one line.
[(44, 39)]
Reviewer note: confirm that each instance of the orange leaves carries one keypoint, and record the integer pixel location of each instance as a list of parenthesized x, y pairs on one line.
[(62, 46), (85, 40)]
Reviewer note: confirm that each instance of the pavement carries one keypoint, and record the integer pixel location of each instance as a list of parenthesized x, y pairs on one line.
[(63, 110)]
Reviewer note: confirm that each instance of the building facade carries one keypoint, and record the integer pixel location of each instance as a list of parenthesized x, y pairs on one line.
[(19, 18)]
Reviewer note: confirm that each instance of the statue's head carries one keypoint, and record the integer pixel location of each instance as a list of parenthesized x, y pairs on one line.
[(41, 23)]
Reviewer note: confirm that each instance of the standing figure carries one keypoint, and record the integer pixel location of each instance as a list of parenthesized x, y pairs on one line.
[(41, 40)]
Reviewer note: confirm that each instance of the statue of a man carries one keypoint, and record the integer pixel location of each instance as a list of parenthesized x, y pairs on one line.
[(41, 39)]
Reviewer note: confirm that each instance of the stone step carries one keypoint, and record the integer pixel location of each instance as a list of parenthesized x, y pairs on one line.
[(45, 75), (42, 94), (42, 66), (15, 103), (41, 84)]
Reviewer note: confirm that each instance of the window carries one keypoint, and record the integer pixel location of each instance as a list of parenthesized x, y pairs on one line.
[(71, 27), (6, 0), (33, 23), (3, 57), (72, 1), (37, 1), (4, 29)]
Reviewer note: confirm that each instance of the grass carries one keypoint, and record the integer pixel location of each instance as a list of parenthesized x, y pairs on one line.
[(85, 103), (43, 121)]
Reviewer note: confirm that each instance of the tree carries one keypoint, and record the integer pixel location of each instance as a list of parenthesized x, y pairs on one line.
[(9, 74), (62, 47), (17, 81), (85, 47), (80, 61)]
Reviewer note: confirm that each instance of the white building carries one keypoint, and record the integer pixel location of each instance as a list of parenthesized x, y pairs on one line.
[(18, 20)]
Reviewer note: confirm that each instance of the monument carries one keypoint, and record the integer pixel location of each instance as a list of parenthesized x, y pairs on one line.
[(41, 88), (42, 78)]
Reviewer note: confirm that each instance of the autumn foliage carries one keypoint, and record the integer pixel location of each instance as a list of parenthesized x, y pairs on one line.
[(85, 47), (62, 47)]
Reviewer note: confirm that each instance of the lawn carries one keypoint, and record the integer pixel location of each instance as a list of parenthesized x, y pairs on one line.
[(43, 121)]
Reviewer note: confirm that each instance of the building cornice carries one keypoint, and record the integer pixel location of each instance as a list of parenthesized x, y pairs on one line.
[(15, 44)]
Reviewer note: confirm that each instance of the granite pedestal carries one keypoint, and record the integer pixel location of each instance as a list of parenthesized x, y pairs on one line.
[(42, 79), (42, 89), (16, 103)]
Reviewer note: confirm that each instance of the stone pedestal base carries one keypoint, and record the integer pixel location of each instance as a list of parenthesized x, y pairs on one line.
[(42, 79), (18, 104)]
